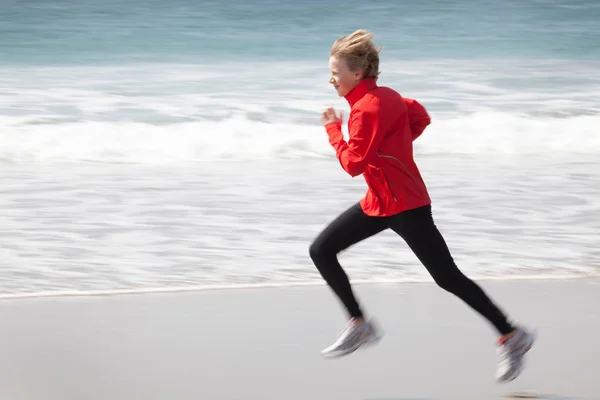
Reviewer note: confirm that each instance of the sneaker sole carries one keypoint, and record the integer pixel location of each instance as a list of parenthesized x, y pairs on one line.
[(515, 375), (371, 341)]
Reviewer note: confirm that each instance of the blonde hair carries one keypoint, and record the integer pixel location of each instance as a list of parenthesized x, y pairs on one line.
[(359, 52)]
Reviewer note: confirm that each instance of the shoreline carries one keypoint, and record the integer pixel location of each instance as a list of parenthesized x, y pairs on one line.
[(592, 279)]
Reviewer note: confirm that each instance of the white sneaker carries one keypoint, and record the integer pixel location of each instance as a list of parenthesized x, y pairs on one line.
[(511, 353), (354, 335)]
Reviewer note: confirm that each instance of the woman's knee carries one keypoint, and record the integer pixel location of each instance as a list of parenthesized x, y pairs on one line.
[(444, 282), (450, 279), (317, 251), (323, 254)]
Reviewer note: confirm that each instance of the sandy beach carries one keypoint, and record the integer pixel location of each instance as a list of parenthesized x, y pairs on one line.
[(265, 343)]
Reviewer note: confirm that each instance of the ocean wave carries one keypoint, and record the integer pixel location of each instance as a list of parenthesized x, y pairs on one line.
[(242, 138)]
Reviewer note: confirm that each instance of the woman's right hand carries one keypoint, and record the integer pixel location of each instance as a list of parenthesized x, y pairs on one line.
[(329, 117)]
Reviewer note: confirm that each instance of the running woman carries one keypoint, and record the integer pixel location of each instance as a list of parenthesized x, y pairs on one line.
[(382, 126)]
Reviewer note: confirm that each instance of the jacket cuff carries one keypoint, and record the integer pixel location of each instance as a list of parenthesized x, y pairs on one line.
[(334, 130)]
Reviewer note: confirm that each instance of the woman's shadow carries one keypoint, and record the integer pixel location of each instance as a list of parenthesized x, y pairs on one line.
[(398, 398), (506, 396)]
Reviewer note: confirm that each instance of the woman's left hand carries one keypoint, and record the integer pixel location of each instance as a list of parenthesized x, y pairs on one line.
[(329, 117)]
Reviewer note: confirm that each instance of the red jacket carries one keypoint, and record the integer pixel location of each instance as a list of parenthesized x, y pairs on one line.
[(382, 126)]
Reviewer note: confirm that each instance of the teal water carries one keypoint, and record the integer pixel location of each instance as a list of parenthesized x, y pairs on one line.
[(90, 32)]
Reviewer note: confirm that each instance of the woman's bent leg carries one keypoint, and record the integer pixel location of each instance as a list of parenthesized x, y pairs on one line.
[(349, 228)]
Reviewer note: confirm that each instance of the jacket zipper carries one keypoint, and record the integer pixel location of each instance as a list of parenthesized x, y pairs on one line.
[(389, 185), (406, 171)]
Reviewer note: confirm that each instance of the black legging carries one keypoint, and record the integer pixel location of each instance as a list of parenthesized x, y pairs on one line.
[(417, 228)]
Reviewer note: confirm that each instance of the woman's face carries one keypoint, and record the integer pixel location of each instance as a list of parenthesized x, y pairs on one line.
[(342, 79)]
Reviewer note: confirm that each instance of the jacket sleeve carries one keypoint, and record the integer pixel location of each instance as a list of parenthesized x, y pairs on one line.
[(417, 117), (365, 136)]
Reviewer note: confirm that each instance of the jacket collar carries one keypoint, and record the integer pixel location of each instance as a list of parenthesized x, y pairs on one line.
[(363, 87)]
